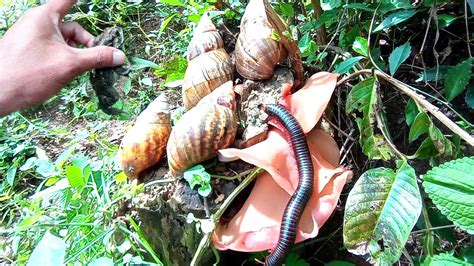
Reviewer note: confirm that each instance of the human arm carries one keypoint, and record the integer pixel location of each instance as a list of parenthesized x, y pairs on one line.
[(38, 56)]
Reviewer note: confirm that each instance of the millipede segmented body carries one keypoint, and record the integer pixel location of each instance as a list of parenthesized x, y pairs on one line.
[(299, 199)]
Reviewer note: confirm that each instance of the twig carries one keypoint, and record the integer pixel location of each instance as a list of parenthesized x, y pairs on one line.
[(420, 99), (206, 239), (293, 51), (237, 176), (467, 29)]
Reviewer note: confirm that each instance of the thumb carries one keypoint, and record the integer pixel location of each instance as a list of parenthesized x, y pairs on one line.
[(99, 57)]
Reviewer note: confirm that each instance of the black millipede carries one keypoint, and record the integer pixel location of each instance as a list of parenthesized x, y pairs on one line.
[(299, 199)]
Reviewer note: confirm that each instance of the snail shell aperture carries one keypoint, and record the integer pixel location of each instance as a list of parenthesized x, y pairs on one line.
[(145, 143)]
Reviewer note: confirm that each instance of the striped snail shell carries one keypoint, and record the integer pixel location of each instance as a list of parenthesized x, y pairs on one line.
[(205, 38), (256, 52), (209, 67), (208, 127), (144, 144)]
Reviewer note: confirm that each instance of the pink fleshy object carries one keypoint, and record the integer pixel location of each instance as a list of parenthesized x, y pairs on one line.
[(257, 225)]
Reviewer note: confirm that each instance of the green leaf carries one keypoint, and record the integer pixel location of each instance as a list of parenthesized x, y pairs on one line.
[(31, 220), (294, 260), (395, 18), (451, 187), (361, 46), (381, 210), (457, 78), (398, 56), (330, 4), (11, 175), (443, 259), (165, 22), (433, 74), (470, 97), (75, 176), (411, 110), (197, 176), (286, 9), (426, 149), (471, 5), (173, 2), (347, 64), (361, 102), (358, 6), (444, 20), (49, 251), (467, 253), (139, 63), (420, 125), (127, 87), (347, 38), (147, 82)]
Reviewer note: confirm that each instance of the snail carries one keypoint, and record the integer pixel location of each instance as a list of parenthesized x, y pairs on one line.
[(145, 143), (209, 64), (256, 51), (205, 38), (208, 127)]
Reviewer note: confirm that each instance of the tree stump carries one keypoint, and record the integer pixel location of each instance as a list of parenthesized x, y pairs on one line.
[(163, 210)]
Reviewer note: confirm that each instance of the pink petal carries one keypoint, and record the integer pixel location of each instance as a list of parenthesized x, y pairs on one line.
[(256, 226)]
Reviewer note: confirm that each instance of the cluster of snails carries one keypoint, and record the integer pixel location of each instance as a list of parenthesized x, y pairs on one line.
[(210, 121)]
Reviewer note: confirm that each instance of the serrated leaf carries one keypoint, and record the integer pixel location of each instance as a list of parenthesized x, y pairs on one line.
[(49, 251), (347, 64), (381, 211), (420, 126), (361, 46), (362, 99), (395, 18), (451, 187), (457, 78), (398, 56), (443, 259), (74, 176)]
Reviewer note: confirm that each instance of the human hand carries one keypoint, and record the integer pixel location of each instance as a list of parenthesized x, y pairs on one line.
[(38, 56)]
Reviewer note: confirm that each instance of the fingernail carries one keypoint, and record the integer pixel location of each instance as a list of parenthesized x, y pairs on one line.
[(118, 58)]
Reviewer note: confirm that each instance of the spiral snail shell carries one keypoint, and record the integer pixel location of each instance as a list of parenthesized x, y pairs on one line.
[(205, 38), (145, 143), (209, 67), (208, 127), (256, 52)]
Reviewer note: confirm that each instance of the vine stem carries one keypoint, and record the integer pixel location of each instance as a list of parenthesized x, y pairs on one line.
[(206, 239), (420, 99)]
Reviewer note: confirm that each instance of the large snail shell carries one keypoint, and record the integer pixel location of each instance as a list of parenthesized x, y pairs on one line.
[(145, 143), (204, 74), (205, 38), (256, 52), (202, 131)]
